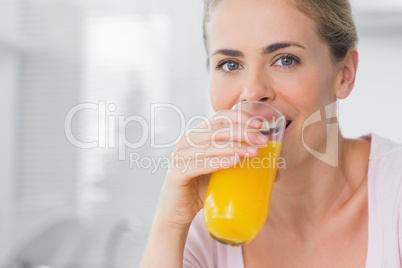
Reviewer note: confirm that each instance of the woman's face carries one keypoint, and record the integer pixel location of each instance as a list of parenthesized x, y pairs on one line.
[(269, 51)]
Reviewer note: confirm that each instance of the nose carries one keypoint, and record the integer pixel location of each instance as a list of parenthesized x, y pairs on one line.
[(257, 87)]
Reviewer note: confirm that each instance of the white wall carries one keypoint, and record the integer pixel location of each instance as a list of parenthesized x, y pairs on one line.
[(375, 5), (374, 104), (8, 152), (9, 70)]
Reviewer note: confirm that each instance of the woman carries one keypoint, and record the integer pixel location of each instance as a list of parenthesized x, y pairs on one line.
[(298, 56)]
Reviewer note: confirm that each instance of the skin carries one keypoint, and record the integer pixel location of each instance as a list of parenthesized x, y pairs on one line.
[(318, 213)]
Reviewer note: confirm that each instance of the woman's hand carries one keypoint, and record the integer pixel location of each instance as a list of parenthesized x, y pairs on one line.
[(215, 144)]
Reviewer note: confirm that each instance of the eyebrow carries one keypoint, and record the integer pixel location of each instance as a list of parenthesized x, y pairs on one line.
[(229, 52), (276, 46), (266, 50)]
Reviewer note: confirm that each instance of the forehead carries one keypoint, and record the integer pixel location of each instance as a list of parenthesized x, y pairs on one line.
[(257, 23)]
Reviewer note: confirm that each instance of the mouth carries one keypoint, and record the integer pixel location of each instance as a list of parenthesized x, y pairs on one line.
[(267, 130), (288, 126)]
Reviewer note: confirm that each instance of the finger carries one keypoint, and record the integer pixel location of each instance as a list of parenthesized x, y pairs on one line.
[(217, 133), (228, 117), (219, 149)]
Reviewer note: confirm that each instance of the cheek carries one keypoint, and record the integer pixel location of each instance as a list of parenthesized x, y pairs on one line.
[(224, 93), (308, 90)]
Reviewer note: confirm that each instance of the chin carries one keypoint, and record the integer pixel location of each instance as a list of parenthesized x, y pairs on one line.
[(293, 151)]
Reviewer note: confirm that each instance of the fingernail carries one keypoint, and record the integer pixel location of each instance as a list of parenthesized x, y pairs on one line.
[(255, 123), (262, 138), (252, 150)]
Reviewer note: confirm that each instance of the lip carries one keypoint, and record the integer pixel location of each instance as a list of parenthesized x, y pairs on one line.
[(289, 127)]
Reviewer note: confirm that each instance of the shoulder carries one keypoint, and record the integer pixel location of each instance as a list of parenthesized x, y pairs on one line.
[(385, 161), (383, 148), (385, 164), (385, 200)]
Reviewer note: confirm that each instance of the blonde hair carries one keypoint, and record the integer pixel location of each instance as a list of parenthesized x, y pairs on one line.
[(333, 18)]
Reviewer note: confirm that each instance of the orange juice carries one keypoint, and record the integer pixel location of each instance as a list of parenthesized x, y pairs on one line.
[(237, 199)]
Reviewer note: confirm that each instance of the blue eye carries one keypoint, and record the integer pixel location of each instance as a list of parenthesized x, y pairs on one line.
[(286, 61), (228, 66), (231, 66)]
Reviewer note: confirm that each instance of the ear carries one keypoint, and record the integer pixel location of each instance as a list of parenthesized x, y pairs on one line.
[(347, 74)]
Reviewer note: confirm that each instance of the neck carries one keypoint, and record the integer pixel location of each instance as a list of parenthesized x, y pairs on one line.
[(312, 192)]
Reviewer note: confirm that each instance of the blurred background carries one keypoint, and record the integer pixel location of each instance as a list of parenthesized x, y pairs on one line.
[(63, 206)]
